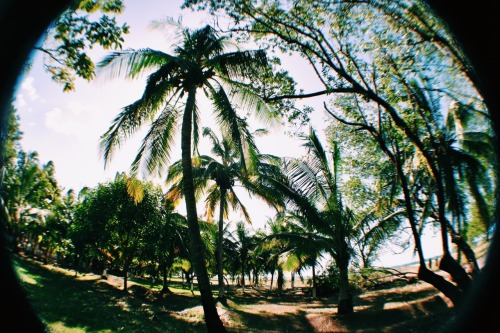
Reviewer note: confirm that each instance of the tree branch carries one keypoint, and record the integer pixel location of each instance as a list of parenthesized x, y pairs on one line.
[(314, 94)]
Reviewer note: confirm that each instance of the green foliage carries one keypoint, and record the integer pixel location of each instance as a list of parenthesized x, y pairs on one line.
[(77, 30), (10, 137), (327, 283), (113, 225)]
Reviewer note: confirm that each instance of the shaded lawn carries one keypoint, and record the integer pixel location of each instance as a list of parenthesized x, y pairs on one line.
[(88, 304)]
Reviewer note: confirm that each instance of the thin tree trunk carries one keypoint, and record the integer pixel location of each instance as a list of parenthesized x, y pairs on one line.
[(460, 242), (313, 293), (212, 320), (272, 278), (243, 276), (450, 290), (220, 266), (125, 279)]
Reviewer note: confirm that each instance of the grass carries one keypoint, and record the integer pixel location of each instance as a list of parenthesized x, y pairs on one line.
[(85, 303)]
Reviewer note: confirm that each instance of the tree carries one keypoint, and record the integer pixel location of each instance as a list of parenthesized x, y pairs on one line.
[(369, 56), (10, 136), (200, 63), (167, 242), (321, 221), (310, 187), (217, 179), (240, 245), (121, 233), (66, 42), (29, 191)]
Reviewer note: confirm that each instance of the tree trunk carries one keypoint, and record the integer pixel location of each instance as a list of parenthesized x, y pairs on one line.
[(460, 242), (313, 293), (243, 276), (281, 281), (440, 283), (345, 305), (125, 281), (212, 320), (220, 266), (272, 278), (165, 288), (457, 272)]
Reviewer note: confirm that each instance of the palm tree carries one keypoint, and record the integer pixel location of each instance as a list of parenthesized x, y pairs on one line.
[(218, 180), (169, 242), (29, 190), (240, 243), (305, 245), (199, 64), (320, 219)]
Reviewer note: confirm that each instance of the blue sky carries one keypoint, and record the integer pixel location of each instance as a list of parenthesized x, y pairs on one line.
[(65, 127)]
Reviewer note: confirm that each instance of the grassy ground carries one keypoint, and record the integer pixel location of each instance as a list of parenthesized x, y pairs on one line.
[(86, 303)]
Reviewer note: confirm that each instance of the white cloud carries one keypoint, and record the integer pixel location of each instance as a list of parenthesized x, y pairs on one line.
[(20, 101), (28, 87), (76, 120)]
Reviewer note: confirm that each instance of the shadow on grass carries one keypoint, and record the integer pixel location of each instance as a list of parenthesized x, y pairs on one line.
[(373, 314), (88, 304), (378, 300), (91, 305), (270, 322), (430, 316)]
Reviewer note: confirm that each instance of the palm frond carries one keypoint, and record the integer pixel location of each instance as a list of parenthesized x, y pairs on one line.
[(211, 203), (240, 65), (247, 99), (238, 205), (157, 144), (131, 63), (124, 125)]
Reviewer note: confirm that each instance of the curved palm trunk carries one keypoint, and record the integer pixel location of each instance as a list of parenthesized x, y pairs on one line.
[(460, 242), (436, 280), (220, 266), (447, 288), (212, 320)]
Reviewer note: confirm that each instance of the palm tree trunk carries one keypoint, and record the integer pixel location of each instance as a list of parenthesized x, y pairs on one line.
[(313, 292), (272, 278), (281, 281), (220, 268), (212, 320), (243, 276), (345, 305), (165, 288)]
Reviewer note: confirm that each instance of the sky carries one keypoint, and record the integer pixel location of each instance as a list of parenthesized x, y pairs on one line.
[(64, 127)]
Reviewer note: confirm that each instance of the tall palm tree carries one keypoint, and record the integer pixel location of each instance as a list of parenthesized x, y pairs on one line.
[(199, 64), (219, 178), (311, 188), (320, 218)]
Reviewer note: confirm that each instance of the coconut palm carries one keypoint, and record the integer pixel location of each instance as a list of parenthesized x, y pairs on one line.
[(200, 63), (317, 211), (311, 188), (219, 178)]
